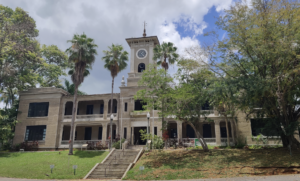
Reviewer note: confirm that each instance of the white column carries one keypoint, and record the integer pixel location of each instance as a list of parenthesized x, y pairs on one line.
[(105, 109), (179, 130), (104, 132)]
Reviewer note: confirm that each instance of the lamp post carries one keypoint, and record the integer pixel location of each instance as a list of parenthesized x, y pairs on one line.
[(111, 119), (148, 116)]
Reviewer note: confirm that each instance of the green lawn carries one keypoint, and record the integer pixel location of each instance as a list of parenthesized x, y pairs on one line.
[(36, 165), (193, 164)]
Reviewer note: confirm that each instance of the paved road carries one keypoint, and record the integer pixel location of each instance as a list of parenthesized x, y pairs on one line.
[(258, 178)]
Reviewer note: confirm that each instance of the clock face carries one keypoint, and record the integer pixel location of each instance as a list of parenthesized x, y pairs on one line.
[(141, 53)]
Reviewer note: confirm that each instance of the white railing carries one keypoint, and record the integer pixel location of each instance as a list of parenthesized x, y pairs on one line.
[(85, 116), (66, 142), (208, 111)]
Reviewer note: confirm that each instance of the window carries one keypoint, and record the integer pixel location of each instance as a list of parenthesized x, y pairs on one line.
[(35, 133), (125, 107), (141, 67), (38, 109), (89, 109), (206, 106), (115, 109), (100, 133), (155, 130), (125, 133), (101, 108), (138, 105), (264, 126)]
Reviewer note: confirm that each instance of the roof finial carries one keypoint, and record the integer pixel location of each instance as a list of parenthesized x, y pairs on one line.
[(144, 34)]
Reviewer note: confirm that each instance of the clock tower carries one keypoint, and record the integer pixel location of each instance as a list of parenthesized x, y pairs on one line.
[(141, 55)]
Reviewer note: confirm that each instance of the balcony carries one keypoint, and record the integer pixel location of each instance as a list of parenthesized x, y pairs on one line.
[(88, 117), (139, 114)]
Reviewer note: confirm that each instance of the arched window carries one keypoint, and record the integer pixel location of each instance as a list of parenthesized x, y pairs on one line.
[(141, 67)]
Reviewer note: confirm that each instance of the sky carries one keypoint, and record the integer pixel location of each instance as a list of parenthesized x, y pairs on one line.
[(182, 22)]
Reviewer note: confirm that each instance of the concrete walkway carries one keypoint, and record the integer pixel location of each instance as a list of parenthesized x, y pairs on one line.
[(258, 178)]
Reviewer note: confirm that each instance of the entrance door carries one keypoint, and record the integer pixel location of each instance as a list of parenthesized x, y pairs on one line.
[(207, 131), (137, 136), (88, 133)]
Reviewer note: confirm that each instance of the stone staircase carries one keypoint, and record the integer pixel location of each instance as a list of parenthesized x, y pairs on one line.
[(115, 164)]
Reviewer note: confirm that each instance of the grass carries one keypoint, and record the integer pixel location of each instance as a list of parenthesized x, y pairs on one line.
[(36, 165), (193, 164)]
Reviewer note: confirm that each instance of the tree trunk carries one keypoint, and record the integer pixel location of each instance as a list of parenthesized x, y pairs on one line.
[(200, 138), (74, 112), (111, 110), (227, 130)]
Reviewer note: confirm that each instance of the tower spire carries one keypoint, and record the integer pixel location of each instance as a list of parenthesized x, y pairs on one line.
[(144, 34)]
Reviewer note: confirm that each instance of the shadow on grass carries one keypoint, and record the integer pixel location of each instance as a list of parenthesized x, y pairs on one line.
[(9, 154), (88, 154)]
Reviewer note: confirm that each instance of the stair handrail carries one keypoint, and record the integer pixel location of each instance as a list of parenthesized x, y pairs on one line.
[(108, 167)]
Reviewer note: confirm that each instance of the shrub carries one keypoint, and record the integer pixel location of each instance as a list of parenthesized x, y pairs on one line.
[(240, 142), (117, 144)]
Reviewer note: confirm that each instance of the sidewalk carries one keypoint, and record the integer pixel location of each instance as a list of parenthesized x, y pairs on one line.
[(258, 178)]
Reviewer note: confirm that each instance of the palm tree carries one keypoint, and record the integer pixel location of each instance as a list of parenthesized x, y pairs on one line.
[(81, 54), (115, 61), (70, 88), (164, 52)]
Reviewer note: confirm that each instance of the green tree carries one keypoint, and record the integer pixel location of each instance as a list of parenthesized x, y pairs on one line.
[(82, 54), (24, 63), (8, 120), (261, 56), (224, 97), (158, 85), (115, 61), (190, 95), (165, 54), (70, 88)]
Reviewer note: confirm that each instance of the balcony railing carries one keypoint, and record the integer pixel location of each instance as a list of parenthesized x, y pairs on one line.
[(85, 116), (139, 113), (208, 111)]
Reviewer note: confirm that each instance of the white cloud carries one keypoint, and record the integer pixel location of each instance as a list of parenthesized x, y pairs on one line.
[(112, 21)]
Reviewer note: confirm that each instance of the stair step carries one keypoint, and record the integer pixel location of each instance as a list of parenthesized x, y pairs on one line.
[(115, 165)]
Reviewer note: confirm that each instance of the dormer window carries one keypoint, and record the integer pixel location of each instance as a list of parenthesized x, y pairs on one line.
[(141, 67)]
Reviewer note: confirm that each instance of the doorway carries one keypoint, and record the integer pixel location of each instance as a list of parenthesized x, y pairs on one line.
[(88, 133), (137, 136)]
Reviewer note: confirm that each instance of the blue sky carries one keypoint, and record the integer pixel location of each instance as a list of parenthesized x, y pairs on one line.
[(181, 22)]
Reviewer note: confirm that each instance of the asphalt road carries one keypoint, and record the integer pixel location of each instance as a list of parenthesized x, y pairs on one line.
[(258, 178)]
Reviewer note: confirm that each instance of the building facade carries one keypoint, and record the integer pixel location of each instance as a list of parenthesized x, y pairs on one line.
[(46, 113)]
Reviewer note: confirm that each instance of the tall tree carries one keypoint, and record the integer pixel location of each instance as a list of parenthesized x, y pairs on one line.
[(24, 63), (261, 56), (82, 54), (70, 88), (165, 54), (190, 95), (115, 61)]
